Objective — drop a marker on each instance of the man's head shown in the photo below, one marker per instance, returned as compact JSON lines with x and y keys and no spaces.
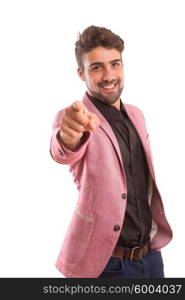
{"x":98,"y":52}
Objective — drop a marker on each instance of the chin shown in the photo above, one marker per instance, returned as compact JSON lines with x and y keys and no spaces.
{"x":111,"y":99}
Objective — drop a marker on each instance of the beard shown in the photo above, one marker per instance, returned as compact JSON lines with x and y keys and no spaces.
{"x":108,"y":98}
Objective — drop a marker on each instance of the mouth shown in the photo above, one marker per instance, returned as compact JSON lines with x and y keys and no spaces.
{"x":109,"y":87}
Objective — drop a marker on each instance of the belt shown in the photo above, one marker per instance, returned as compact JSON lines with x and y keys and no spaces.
{"x":135,"y":253}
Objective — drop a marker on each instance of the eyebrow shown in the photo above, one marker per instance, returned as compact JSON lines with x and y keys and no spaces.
{"x":101,"y":63}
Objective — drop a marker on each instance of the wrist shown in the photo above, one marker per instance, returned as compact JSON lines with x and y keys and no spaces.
{"x":70,"y":144}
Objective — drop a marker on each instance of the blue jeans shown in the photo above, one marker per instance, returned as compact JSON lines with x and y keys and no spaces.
{"x":150,"y":266}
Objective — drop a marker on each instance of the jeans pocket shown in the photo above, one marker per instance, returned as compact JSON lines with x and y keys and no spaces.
{"x":113,"y":265}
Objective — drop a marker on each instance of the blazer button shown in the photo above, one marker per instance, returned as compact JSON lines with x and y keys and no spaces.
{"x":124,"y":196}
{"x":61,"y":153}
{"x":116,"y":228}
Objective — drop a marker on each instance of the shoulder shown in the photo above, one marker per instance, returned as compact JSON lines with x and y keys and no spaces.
{"x":132,"y":109}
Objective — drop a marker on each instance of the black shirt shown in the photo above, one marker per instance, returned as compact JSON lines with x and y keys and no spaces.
{"x":137,"y":222}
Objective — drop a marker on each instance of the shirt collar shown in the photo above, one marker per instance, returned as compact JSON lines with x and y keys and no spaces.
{"x":108,"y":111}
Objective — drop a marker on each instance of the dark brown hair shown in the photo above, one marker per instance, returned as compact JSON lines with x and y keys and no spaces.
{"x":93,"y":37}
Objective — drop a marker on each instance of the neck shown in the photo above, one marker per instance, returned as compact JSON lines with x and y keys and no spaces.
{"x":116,"y":104}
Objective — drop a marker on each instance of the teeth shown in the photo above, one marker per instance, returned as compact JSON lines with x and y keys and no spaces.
{"x":109,"y":86}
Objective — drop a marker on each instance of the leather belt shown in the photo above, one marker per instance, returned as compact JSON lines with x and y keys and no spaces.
{"x":135,"y":253}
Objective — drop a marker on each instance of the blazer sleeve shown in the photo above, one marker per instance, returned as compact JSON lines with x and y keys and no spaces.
{"x":59,"y":152}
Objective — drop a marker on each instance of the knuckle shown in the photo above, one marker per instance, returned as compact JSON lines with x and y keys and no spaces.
{"x":62,"y":125}
{"x":67,"y":110}
{"x":74,"y":134}
{"x":80,"y":128}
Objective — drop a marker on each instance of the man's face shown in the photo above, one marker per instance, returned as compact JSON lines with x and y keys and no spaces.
{"x":103,"y":74}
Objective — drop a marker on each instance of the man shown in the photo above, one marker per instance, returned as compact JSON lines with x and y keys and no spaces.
{"x":119,"y":225}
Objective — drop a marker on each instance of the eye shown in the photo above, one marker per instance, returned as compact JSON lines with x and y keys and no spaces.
{"x":96,"y":68}
{"x":115,"y":64}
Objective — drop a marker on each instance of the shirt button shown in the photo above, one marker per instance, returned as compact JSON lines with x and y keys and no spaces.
{"x":124,"y":196}
{"x":116,"y":228}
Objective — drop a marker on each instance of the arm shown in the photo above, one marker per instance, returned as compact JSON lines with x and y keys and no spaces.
{"x":63,"y":155}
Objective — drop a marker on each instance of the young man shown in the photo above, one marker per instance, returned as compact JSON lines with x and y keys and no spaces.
{"x":119,"y":224}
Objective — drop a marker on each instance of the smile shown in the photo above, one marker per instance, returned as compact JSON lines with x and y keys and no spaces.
{"x":109,"y":87}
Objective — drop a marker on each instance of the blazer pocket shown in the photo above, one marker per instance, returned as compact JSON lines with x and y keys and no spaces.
{"x":78,"y":212}
{"x":78,"y":236}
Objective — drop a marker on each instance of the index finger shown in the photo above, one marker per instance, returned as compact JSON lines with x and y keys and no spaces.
{"x":78,"y":106}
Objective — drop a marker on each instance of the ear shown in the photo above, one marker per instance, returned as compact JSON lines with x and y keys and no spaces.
{"x":81,"y":74}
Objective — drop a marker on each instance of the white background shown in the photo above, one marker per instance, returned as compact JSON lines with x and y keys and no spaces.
{"x":38,"y":77}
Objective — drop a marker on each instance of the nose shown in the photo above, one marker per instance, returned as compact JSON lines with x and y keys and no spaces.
{"x":108,"y":75}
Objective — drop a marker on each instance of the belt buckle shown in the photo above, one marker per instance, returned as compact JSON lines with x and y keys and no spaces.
{"x":132,"y":252}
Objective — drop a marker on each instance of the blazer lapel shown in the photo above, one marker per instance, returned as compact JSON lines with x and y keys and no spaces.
{"x":143,"y":134}
{"x":105,"y":127}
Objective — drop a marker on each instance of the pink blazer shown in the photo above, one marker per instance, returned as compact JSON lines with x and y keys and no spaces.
{"x":99,"y":174}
